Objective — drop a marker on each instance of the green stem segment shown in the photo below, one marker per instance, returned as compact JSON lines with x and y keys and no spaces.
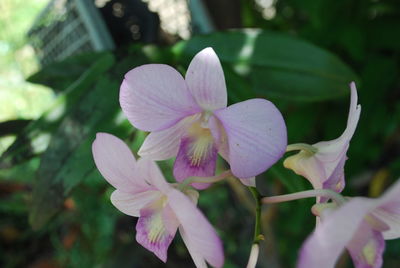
{"x":257,"y":226}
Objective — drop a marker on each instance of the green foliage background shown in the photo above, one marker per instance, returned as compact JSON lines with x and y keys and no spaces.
{"x":55,"y":206}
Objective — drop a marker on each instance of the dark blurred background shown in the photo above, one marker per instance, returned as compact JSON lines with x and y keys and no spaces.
{"x":62,"y":64}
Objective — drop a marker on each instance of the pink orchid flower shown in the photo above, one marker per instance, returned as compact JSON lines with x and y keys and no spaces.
{"x":323,"y":163}
{"x":189,"y":118}
{"x":141,"y":191}
{"x":361,"y":225}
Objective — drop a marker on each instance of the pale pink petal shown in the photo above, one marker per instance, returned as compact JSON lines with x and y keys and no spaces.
{"x":392,"y":220}
{"x":116,"y":163}
{"x":131,"y":204}
{"x":354,"y":114}
{"x":197,"y":257}
{"x":187,"y":164}
{"x":155,"y":96}
{"x":201,"y":237}
{"x":336,"y":181}
{"x":220,"y":138}
{"x":366,"y":247}
{"x":156,"y":229}
{"x":150,"y":172}
{"x":324,"y":246}
{"x":251,"y":182}
{"x":388,"y":211}
{"x":164,"y":144}
{"x":337,"y":146}
{"x":256,"y":135}
{"x":206,"y":81}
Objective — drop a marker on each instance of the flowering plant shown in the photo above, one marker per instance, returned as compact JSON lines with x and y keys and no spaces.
{"x":188,"y":118}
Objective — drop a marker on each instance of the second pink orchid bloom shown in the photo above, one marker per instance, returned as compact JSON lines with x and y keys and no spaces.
{"x":361,"y":225}
{"x":189,"y":118}
{"x":323,"y":163}
{"x":141,"y":191}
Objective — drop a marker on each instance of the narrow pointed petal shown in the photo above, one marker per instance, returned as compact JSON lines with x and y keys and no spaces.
{"x":201,"y":237}
{"x":164,"y":144}
{"x":155,"y":96}
{"x":206,"y":81}
{"x":196,"y":158}
{"x":366,"y":247}
{"x":150,"y":172}
{"x":131,"y":204}
{"x":324,"y":246}
{"x":256,"y":135}
{"x":354,"y":114}
{"x":198,"y":259}
{"x":116,"y":163}
{"x":156,"y":229}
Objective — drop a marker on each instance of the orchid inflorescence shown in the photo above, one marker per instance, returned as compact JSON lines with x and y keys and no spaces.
{"x":188,"y":119}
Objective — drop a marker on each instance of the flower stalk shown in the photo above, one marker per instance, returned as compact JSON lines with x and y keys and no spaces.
{"x":339,"y":199}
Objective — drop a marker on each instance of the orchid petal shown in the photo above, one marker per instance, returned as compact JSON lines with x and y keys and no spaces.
{"x":336,"y":181}
{"x":256,"y":135}
{"x":325,"y":245}
{"x":150,"y":171}
{"x":116,"y":163}
{"x":131,"y":204}
{"x":156,"y":229}
{"x":251,"y":182}
{"x":308,"y":166}
{"x":366,"y":247}
{"x":201,"y":237}
{"x":206,"y":81}
{"x":155,"y":96}
{"x":195,"y":158}
{"x":198,"y":259}
{"x":164,"y":144}
{"x":388,"y":211}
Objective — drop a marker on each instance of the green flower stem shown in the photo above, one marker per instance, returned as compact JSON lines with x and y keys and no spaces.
{"x":257,"y":226}
{"x":339,"y":199}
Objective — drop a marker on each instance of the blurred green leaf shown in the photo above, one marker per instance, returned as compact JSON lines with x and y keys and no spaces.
{"x":275,"y":64}
{"x":68,"y":159}
{"x":35,"y":137}
{"x":58,"y":75}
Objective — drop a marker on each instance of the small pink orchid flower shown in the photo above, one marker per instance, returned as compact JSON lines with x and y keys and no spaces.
{"x":189,"y":118}
{"x":141,"y":191}
{"x":361,"y":225}
{"x":323,"y":163}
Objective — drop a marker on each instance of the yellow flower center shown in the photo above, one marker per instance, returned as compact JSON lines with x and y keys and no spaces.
{"x":201,"y":145}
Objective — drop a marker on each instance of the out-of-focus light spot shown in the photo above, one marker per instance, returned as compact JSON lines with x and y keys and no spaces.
{"x":4,"y":47}
{"x":174,"y":16}
{"x":267,"y":8}
{"x":118,"y":10}
{"x":56,"y":113}
{"x":40,"y":143}
{"x":101,"y":3}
